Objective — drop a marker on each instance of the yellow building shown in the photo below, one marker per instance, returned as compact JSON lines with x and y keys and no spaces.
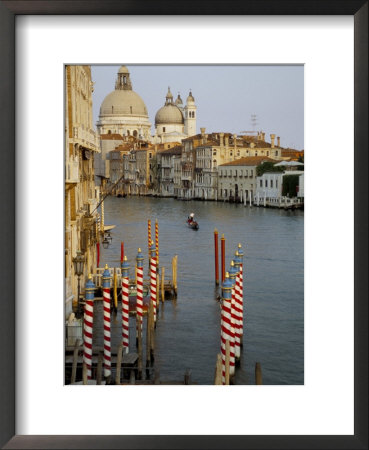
{"x":81,"y":196}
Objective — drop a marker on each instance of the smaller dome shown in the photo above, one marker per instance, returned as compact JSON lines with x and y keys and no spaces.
{"x":178,"y":100}
{"x":169,"y":114}
{"x":123,"y":69}
{"x":190,"y":97}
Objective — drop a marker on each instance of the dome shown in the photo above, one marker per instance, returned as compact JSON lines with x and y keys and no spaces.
{"x":123,"y":69}
{"x":169,"y":114}
{"x":178,"y":100}
{"x":123,"y":102}
{"x":190,"y":98}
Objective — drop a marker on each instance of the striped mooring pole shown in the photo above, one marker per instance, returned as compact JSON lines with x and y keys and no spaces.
{"x":153,"y":279}
{"x":125,"y":305}
{"x":237,"y":308}
{"x":106,"y":278}
{"x":232,"y":276}
{"x":139,"y":299}
{"x":240,"y":254}
{"x":226,"y":333}
{"x":88,"y":325}
{"x":149,"y":240}
{"x":157,"y":241}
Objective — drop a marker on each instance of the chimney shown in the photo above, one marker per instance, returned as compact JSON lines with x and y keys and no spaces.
{"x":202,"y":131}
{"x":278,"y":141}
{"x":221,"y":142}
{"x":235,"y":141}
{"x":263,"y":138}
{"x":226,"y":141}
{"x":272,"y":137}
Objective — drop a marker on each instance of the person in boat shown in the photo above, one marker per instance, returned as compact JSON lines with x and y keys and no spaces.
{"x":190,"y":218}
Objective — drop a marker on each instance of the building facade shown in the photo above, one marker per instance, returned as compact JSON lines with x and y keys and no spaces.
{"x":81,"y":196}
{"x":237,"y":179}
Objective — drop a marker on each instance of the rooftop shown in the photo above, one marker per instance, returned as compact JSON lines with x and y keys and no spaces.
{"x":249,"y":161}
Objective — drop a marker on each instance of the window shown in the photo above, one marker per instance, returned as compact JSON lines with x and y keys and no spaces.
{"x":214,"y":152}
{"x":271,"y":183}
{"x":261,"y":183}
{"x":163,"y":129}
{"x":150,"y":155}
{"x":251,"y":173}
{"x":276,"y":153}
{"x":276,"y":184}
{"x":266,"y":183}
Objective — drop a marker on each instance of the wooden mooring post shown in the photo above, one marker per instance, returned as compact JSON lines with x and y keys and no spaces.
{"x":258,"y":374}
{"x":216,"y":256}
{"x":99,"y":368}
{"x":162,"y":284}
{"x":119,"y":364}
{"x":218,"y":370}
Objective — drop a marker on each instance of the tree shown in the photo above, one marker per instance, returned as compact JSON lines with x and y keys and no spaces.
{"x":267,"y":166}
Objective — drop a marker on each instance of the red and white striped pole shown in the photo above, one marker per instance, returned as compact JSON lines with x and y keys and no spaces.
{"x":139,"y":300}
{"x":149,"y":240}
{"x":153,"y":283}
{"x":234,"y":319}
{"x":226,"y":332}
{"x":106,"y":277}
{"x":237,"y":309}
{"x":88,"y":325}
{"x":240,"y":254}
{"x":157,"y":241}
{"x":125,"y":305}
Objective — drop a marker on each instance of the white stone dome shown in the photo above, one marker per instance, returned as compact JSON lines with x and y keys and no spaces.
{"x":169,"y":114}
{"x":123,"y":102}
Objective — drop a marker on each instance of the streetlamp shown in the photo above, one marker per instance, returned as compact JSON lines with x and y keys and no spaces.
{"x":79,"y":263}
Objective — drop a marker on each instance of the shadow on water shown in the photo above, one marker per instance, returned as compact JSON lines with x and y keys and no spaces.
{"x":188,"y":329}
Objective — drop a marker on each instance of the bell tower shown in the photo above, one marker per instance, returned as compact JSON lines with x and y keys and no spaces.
{"x":190,"y":116}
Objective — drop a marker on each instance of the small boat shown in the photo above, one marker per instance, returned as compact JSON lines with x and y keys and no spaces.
{"x":192,"y":224}
{"x":133,"y":299}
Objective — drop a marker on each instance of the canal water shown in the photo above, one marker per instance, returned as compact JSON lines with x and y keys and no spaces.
{"x":188,"y":329}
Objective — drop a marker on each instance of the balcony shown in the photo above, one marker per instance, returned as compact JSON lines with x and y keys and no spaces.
{"x":72,"y":172}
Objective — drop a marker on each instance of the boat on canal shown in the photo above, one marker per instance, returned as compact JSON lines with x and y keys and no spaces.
{"x":191,"y":222}
{"x":133,"y":299}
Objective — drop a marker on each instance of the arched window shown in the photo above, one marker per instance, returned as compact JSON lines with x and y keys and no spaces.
{"x":135,"y":133}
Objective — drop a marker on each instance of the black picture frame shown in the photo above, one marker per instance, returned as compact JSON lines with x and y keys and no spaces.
{"x":8,"y":287}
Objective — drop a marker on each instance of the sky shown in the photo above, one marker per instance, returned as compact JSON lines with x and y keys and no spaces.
{"x":226,"y":96}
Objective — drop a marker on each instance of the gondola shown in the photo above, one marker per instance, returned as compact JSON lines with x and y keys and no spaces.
{"x":192,"y":224}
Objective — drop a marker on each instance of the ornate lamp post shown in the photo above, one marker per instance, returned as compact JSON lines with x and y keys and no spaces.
{"x":79,"y":264}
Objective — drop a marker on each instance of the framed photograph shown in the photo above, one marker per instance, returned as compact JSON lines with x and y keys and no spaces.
{"x":320,"y":402}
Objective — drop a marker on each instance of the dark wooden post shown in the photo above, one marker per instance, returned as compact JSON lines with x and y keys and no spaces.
{"x":258,"y":375}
